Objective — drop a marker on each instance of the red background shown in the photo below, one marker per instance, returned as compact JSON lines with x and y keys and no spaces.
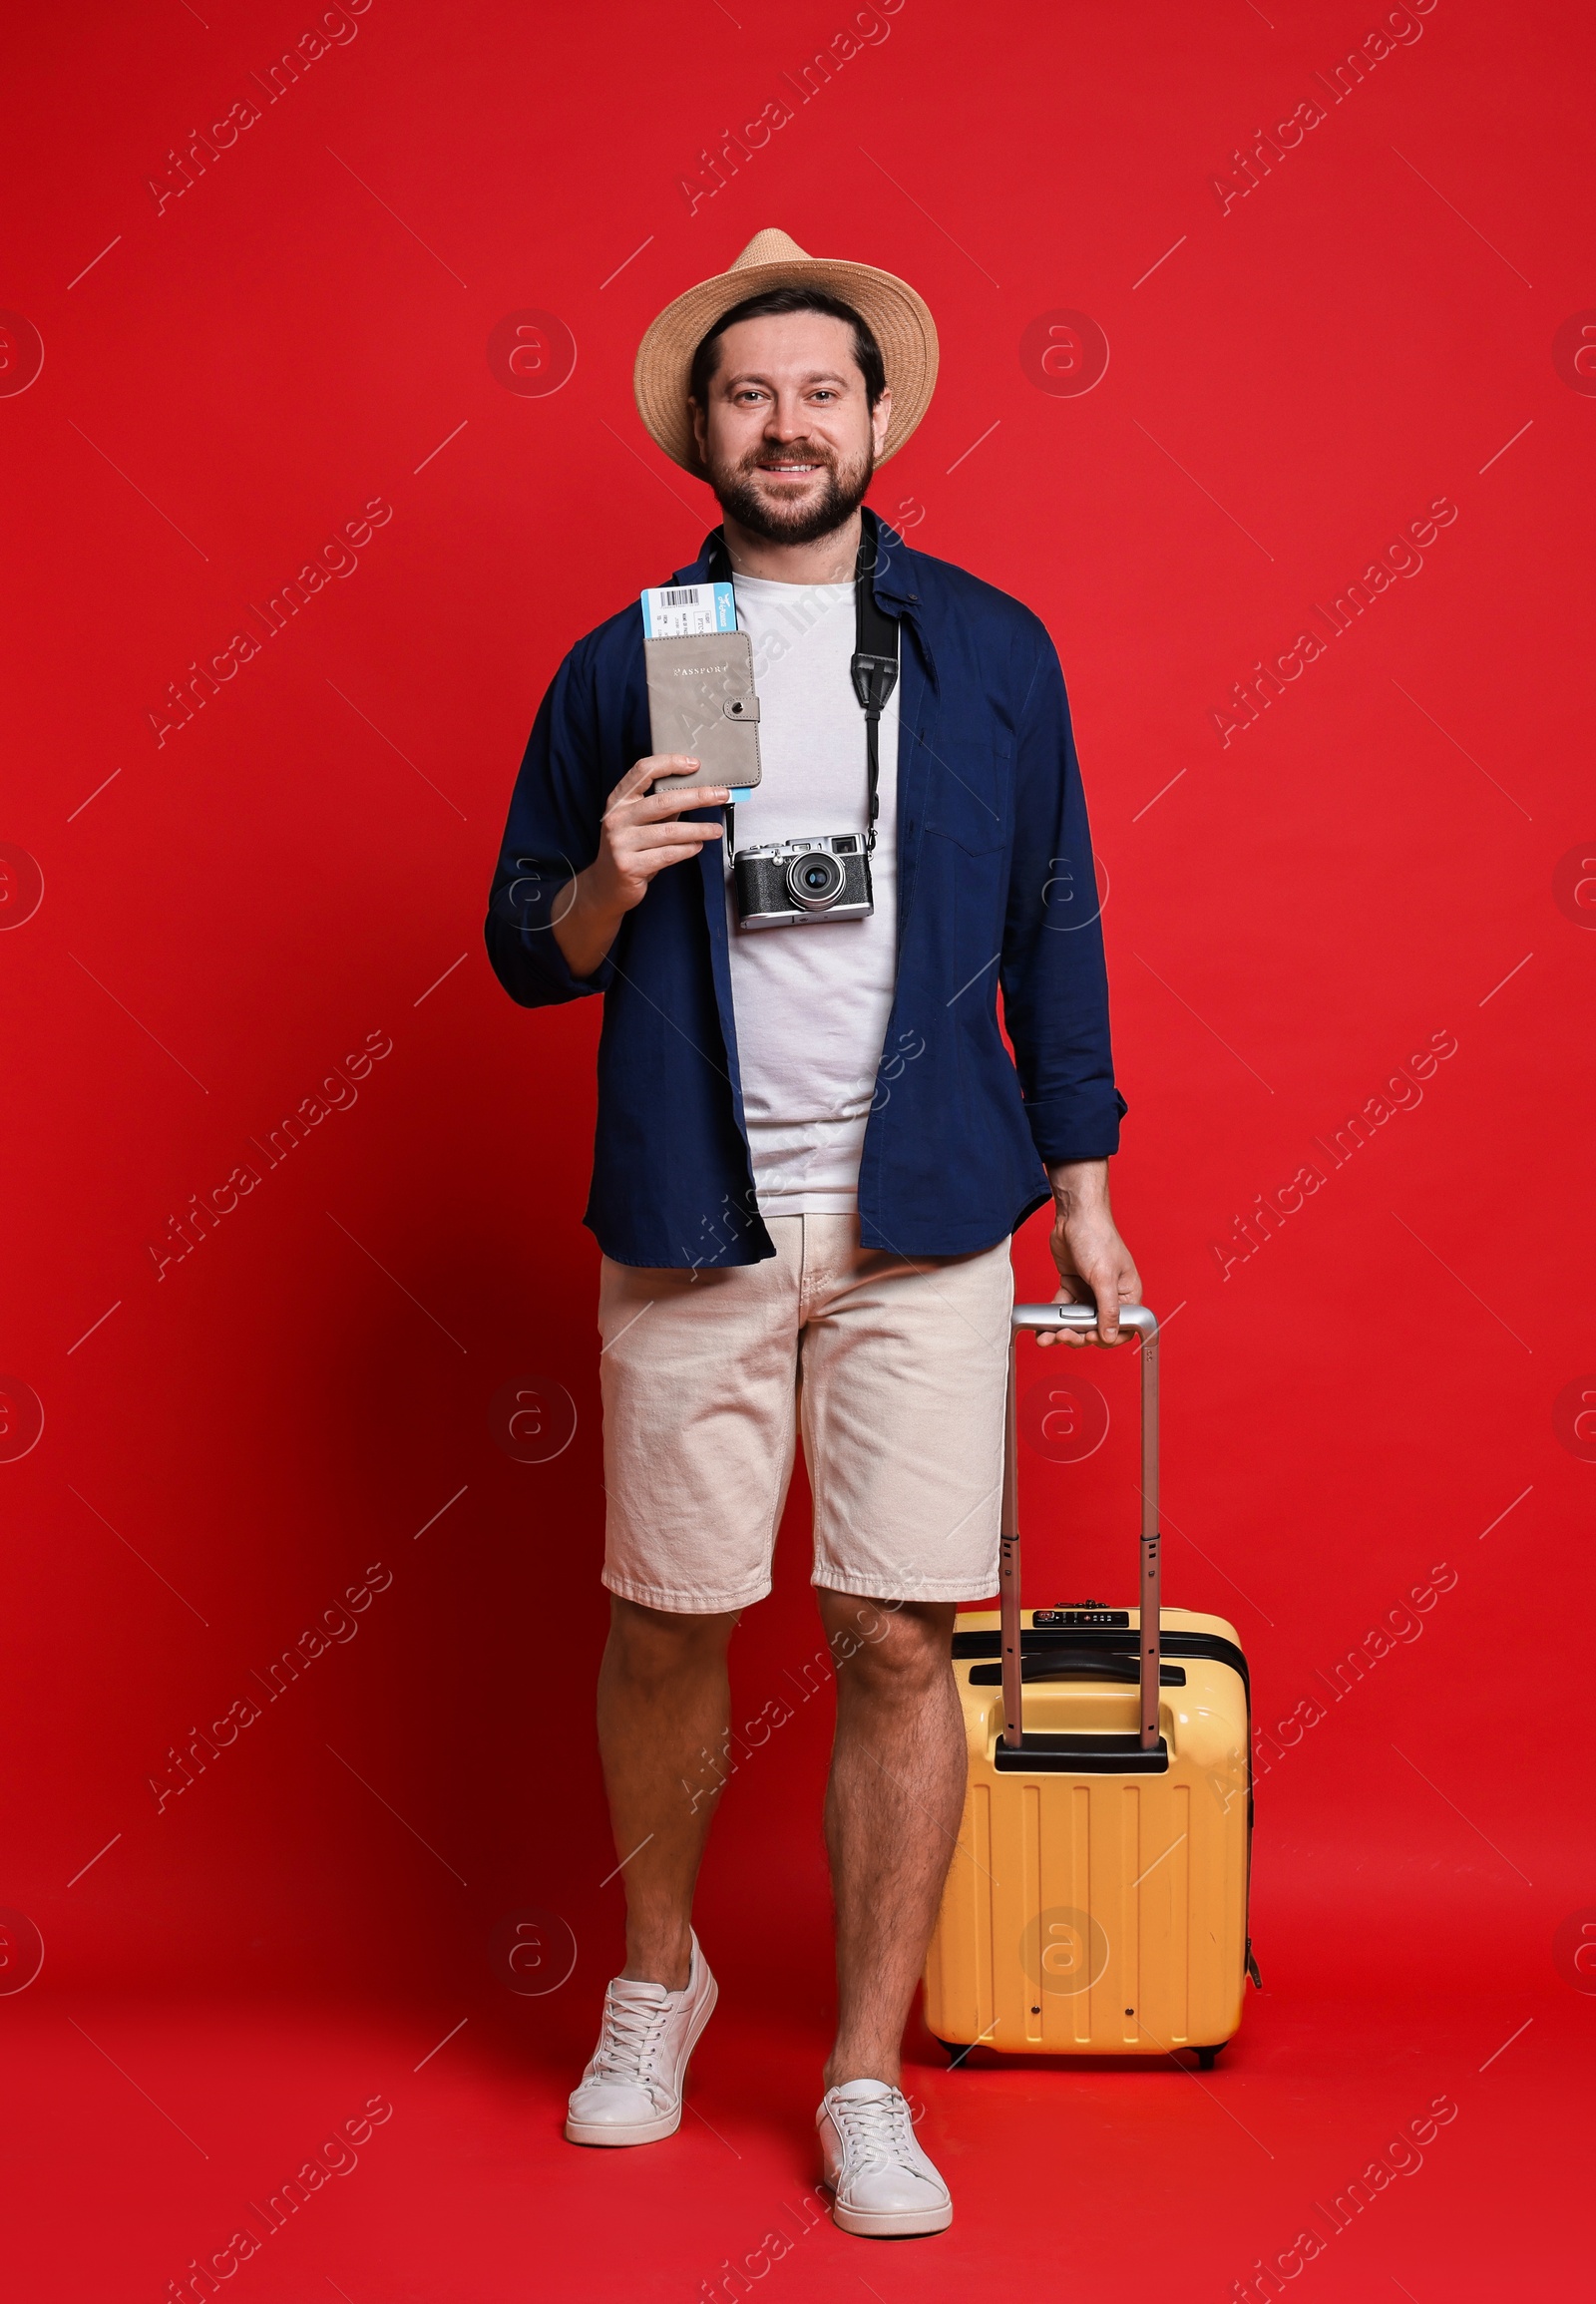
{"x":231,"y":1447}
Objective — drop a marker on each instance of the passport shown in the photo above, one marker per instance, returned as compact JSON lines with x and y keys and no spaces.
{"x":701,"y":697}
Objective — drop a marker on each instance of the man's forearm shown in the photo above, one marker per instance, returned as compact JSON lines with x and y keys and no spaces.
{"x":1077,"y":1184}
{"x":584,"y":927}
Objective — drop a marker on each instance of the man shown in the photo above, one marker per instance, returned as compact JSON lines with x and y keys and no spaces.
{"x":812,"y":1150}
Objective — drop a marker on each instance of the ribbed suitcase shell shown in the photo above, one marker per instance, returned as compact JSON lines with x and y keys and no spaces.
{"x":1096,"y":1914}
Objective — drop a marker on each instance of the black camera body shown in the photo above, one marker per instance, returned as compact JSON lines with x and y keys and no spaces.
{"x":792,"y":882}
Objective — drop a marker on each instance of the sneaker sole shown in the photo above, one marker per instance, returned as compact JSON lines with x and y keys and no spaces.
{"x":623,"y":2132}
{"x":652,"y":2131}
{"x":894,"y":2224}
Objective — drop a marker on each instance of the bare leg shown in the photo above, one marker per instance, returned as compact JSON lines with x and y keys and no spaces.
{"x":663,"y":1706}
{"x":893,"y":1808}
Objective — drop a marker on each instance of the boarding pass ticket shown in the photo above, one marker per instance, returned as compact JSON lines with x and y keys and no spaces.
{"x":682,"y":612}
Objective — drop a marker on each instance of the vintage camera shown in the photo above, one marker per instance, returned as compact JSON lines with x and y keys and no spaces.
{"x":794,"y":881}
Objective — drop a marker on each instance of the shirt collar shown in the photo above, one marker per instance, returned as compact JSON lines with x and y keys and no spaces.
{"x":894,"y":582}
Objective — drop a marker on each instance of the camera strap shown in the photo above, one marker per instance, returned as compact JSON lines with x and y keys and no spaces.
{"x":874,"y":666}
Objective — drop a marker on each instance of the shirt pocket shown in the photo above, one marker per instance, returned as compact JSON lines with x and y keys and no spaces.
{"x":967,"y":794}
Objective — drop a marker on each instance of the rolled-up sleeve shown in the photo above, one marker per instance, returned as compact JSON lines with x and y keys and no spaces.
{"x":551,"y":834}
{"x":1053,"y":976}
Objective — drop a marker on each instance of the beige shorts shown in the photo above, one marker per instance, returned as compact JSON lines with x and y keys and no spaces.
{"x":893,"y":1370}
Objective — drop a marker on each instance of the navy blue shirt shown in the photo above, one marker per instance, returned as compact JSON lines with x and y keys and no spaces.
{"x":995,"y":890}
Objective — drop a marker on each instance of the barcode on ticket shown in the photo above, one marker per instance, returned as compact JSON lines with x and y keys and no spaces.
{"x":682,"y":612}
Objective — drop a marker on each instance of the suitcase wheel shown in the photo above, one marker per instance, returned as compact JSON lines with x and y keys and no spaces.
{"x":1206,"y":2055}
{"x":956,"y":2052}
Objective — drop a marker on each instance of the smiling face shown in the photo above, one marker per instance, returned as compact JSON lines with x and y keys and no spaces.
{"x":787,"y":436}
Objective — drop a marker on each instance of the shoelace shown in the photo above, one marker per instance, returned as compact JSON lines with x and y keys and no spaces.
{"x":879,"y":2130}
{"x":629,"y":2035}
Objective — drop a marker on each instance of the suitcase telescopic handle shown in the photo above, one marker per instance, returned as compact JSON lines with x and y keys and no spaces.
{"x":1049,"y":1317}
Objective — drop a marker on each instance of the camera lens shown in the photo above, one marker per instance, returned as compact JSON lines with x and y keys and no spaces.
{"x":814,"y":879}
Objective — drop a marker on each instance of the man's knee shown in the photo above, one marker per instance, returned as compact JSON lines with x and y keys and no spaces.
{"x":657,"y":1644}
{"x":887,"y":1644}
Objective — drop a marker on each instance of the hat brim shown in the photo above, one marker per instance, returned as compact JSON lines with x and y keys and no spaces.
{"x":900,"y":320}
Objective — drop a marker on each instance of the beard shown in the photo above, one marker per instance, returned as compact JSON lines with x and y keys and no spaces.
{"x":843,"y":491}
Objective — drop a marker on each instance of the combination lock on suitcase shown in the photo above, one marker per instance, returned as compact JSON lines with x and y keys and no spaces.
{"x":1097,"y":1901}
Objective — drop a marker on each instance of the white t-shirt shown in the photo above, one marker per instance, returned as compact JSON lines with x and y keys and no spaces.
{"x":812,"y":1000}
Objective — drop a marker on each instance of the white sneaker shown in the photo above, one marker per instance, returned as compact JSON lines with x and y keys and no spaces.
{"x":630,"y":2092}
{"x":883,"y":2184}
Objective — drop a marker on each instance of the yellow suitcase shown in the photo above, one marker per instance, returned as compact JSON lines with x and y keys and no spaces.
{"x":1097,"y":1901}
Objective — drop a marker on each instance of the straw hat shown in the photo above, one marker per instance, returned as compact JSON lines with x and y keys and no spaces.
{"x":899,"y":320}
